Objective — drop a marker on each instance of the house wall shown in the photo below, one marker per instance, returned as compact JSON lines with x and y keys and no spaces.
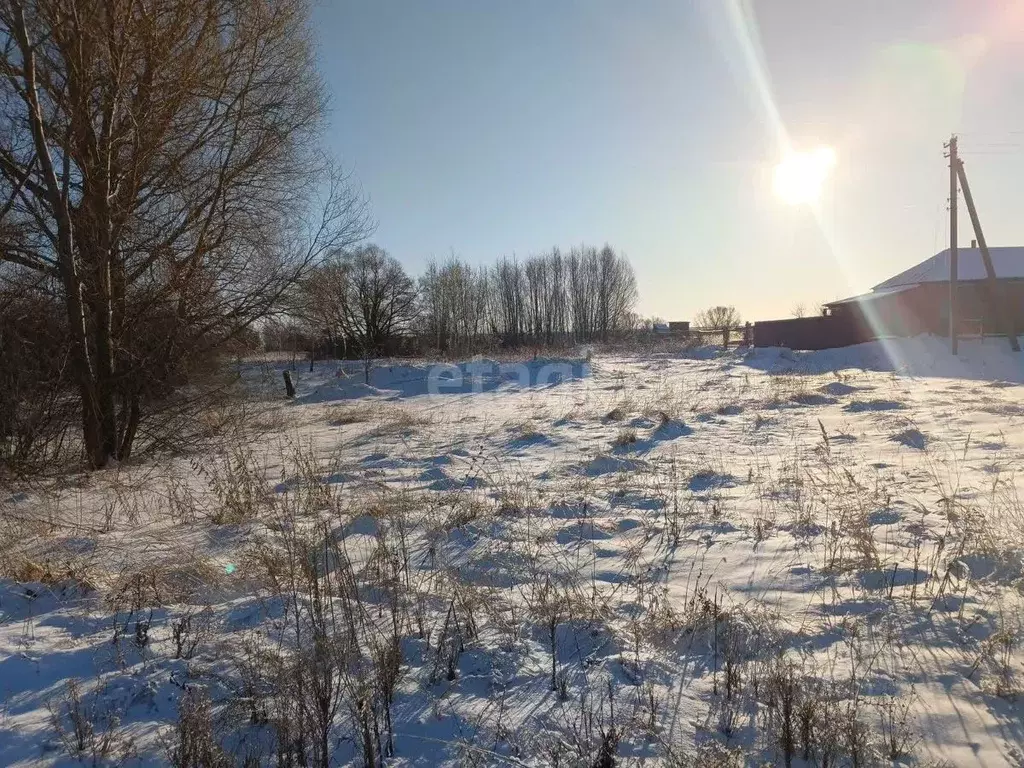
{"x":907,"y":313}
{"x":925,"y":309}
{"x":922,"y":309}
{"x":977,"y":310}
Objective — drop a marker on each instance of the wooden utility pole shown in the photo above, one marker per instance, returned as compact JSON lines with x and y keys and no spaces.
{"x":954,"y":162}
{"x":996,"y":296}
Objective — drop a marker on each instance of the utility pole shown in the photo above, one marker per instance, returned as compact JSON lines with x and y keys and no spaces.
{"x":996,"y":296}
{"x":954,"y":162}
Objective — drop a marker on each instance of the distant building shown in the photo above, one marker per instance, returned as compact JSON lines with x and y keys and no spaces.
{"x":673,"y":327}
{"x":914,"y":301}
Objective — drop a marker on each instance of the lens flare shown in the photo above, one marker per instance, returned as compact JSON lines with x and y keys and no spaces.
{"x":798,"y":179}
{"x":746,"y":54}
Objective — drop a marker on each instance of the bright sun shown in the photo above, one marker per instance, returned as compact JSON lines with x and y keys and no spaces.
{"x":800,"y":175}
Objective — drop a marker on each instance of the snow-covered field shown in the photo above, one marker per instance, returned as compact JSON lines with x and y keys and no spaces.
{"x":702,"y":559}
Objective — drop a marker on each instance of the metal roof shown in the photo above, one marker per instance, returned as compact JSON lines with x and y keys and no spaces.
{"x":876,"y":294}
{"x":1008,"y":262}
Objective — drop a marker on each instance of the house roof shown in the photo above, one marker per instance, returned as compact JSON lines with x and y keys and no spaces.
{"x":876,"y":294}
{"x":1008,"y":261}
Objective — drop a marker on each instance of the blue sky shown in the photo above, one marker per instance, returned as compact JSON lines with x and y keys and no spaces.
{"x":504,"y":128}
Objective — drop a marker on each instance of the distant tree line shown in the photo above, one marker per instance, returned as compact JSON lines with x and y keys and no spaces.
{"x":363,"y":302}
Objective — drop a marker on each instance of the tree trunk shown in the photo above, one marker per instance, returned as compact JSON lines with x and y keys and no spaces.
{"x":107,"y":410}
{"x":91,"y":433}
{"x":92,"y":430}
{"x":57,"y":197}
{"x":131,"y":428}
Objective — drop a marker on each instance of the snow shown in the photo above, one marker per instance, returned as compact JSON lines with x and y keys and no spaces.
{"x":924,"y":356}
{"x":1007,"y":261}
{"x":855,"y":512}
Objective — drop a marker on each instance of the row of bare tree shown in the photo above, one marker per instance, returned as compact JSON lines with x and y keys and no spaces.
{"x":359,"y":302}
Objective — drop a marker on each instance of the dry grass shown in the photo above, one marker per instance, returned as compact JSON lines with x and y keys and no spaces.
{"x":154,"y":584}
{"x":340,"y":415}
{"x":618,"y":413}
{"x":393,"y":420}
{"x":435,"y":586}
{"x":625,"y":439}
{"x":50,"y":573}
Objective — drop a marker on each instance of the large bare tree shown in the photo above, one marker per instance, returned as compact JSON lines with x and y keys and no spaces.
{"x":380,"y":298}
{"x":158,"y":167}
{"x":319,"y":302}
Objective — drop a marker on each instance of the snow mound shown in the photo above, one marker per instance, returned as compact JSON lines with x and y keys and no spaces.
{"x":912,"y":438}
{"x":838,"y":389}
{"x":439,"y":480}
{"x":583,"y":529}
{"x":730,"y":410}
{"x":812,"y":398}
{"x":670,"y":430}
{"x":345,"y":389}
{"x":987,"y":359}
{"x":709,"y":480}
{"x":641,"y":422}
{"x":604,"y":465}
{"x":529,"y":440}
{"x":404,"y":380}
{"x":860,"y":406}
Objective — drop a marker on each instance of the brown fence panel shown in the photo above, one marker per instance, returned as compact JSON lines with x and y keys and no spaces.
{"x":820,"y":332}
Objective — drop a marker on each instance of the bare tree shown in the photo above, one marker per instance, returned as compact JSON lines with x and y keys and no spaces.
{"x":548,"y":298}
{"x":508,"y":307}
{"x":380,"y":298}
{"x":34,"y":409}
{"x":536,"y":285}
{"x":582,"y":292}
{"x":319,"y":301}
{"x":435,"y":311}
{"x":799,"y":310}
{"x":601,"y":289}
{"x":453,"y":304}
{"x":157,"y":166}
{"x":556,"y":310}
{"x":616,"y":292}
{"x":721,"y":319}
{"x":585,"y":295}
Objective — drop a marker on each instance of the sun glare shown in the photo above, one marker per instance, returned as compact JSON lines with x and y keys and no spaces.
{"x":799,"y":177}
